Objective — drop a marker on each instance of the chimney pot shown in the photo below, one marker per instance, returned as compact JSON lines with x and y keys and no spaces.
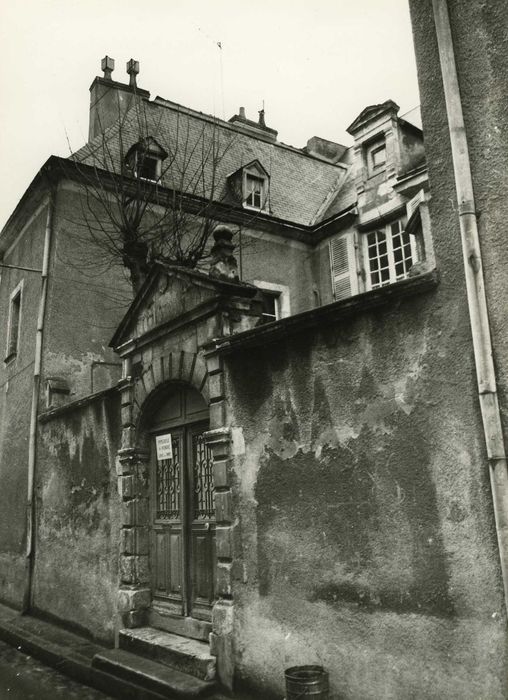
{"x":132,"y":70}
{"x":242,"y":113}
{"x":108,"y":66}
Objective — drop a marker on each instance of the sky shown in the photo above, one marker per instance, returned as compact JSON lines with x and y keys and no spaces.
{"x":314,"y":65}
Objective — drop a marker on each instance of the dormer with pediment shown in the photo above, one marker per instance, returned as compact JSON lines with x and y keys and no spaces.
{"x":380,"y":155}
{"x":376,"y":143}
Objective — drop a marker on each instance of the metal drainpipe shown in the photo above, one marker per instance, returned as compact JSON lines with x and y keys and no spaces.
{"x":475,"y":286}
{"x":32,"y":441}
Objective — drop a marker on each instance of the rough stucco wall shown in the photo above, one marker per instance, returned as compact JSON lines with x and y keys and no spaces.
{"x":367,"y":536}
{"x":78,"y":517}
{"x":15,"y":399}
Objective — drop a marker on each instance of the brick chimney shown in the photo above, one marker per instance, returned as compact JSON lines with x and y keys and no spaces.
{"x":110,"y":100}
{"x":259,"y":128}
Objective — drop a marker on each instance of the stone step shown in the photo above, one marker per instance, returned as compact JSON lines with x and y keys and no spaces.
{"x":162,"y":618}
{"x":184,"y":654}
{"x":155,"y":677}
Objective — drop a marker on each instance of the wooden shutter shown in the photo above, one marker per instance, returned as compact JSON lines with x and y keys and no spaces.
{"x":414,"y":203}
{"x":343,"y":267}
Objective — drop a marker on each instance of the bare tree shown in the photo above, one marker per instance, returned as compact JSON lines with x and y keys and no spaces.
{"x":150,"y":187}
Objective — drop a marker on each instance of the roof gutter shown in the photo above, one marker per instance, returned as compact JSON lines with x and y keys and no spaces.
{"x":477,"y":300}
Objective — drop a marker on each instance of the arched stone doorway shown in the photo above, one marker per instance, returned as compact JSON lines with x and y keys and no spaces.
{"x":182,"y":553}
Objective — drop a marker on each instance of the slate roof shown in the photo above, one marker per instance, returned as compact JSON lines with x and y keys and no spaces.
{"x":299,"y":183}
{"x":345,"y":195}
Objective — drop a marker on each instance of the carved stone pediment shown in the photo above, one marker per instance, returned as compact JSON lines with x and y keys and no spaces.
{"x":174,"y":296}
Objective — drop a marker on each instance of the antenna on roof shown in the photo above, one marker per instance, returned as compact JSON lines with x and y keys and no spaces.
{"x":219,"y":44}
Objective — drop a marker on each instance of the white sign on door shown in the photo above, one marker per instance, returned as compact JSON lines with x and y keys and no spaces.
{"x":164,"y":446}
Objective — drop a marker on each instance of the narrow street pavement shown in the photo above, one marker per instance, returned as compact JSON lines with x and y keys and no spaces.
{"x":25,"y":678}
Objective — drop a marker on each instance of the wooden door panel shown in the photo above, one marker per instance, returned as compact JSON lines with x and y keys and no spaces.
{"x":183,"y":558}
{"x":203,"y":565}
{"x":167,"y":570}
{"x":160,"y":565}
{"x":175,"y":564}
{"x":203,"y":522}
{"x":167,"y":531}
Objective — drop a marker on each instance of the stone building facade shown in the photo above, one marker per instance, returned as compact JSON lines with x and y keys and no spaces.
{"x":290,"y":465}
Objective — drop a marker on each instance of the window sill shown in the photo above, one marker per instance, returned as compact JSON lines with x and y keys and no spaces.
{"x":251,"y":208}
{"x":148,"y":179}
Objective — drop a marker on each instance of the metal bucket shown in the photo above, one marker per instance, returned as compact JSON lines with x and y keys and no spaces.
{"x":304,"y":682}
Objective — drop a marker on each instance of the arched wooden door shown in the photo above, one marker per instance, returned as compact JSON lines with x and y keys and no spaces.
{"x":182,"y":555}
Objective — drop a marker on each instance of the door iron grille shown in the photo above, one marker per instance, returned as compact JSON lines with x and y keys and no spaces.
{"x":168,"y":485}
{"x":204,"y":506}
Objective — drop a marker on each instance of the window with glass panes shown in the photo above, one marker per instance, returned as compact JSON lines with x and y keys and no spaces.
{"x":148,"y":167}
{"x":390,"y":255}
{"x":14,"y":322}
{"x":254,"y":196}
{"x":270,"y":301}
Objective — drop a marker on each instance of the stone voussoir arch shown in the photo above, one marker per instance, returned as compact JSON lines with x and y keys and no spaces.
{"x":174,"y":366}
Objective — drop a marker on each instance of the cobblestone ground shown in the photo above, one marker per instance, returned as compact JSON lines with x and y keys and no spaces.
{"x":25,"y":678}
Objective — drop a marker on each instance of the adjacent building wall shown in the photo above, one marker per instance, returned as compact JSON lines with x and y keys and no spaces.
{"x":480,"y":43}
{"x":16,"y":381}
{"x":85,"y":303}
{"x":366,"y":539}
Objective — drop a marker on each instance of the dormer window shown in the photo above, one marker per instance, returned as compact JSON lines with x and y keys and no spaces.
{"x":145,"y":159}
{"x":250,"y":186}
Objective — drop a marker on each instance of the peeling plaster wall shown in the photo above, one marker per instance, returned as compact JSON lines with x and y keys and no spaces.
{"x":366,"y":539}
{"x":78,"y":516}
